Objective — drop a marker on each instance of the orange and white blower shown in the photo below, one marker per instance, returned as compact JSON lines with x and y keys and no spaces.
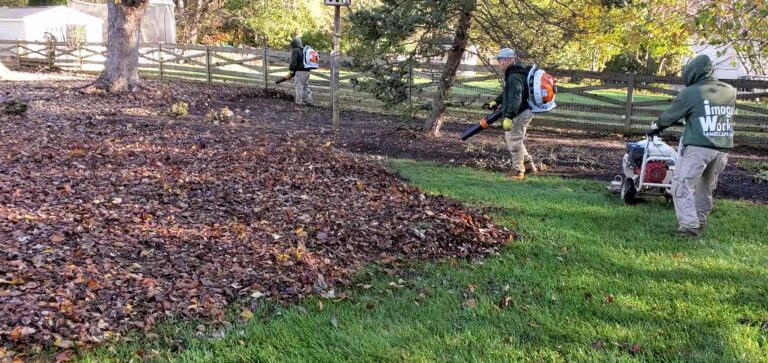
{"x":542,"y":89}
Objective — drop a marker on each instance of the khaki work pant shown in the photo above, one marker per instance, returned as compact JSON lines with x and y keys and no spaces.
{"x":693,"y":183}
{"x":301,"y":85}
{"x":515,"y":139}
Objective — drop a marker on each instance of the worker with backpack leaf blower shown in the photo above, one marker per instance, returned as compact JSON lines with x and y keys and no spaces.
{"x":303,"y":60}
{"x":525,"y":90}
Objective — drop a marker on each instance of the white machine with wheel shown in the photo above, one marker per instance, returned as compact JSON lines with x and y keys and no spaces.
{"x":648,"y":166}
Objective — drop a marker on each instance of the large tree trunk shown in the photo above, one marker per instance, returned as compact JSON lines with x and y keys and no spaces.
{"x":4,"y":71}
{"x":435,"y":121}
{"x":121,"y":72}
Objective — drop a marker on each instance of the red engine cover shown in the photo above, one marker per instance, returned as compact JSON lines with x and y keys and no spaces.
{"x":655,"y":172}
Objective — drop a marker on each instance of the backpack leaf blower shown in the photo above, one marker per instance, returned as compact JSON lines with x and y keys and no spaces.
{"x":283,"y":79}
{"x":484,"y":123}
{"x":541,"y":88}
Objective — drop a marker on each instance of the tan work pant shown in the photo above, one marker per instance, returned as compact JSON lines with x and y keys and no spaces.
{"x":515,"y":141}
{"x":694,"y":182}
{"x":301,"y":85}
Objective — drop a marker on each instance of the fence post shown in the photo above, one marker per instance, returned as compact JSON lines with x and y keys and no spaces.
{"x":265,"y":66}
{"x":628,"y":110}
{"x":208,"y":63}
{"x":160,"y":52}
{"x":80,"y":55}
{"x":18,"y":53}
{"x":51,"y":55}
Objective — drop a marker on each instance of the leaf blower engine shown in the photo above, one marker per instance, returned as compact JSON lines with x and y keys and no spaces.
{"x":648,"y":167}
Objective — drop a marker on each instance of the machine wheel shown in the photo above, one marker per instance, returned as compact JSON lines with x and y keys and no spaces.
{"x":628,"y":191}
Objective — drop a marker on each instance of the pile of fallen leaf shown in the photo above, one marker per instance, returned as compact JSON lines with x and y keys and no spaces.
{"x":110,"y":224}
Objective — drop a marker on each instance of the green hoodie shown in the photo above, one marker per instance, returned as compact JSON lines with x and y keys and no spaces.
{"x":297,"y":56}
{"x":707,"y":105}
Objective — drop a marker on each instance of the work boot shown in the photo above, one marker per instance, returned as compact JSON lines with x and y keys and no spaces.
{"x":530,"y":167}
{"x":519,"y":176}
{"x":688,"y":232}
{"x":702,"y":223}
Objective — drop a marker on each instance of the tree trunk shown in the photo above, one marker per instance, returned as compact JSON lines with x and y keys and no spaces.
{"x":435,"y":121}
{"x":121,"y":71}
{"x":190,"y":16}
{"x":4,"y":71}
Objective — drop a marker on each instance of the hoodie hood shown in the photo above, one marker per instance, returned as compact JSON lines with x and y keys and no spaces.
{"x":296,"y":43}
{"x":698,"y":70}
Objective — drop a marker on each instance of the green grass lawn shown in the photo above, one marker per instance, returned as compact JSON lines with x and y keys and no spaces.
{"x":590,"y":280}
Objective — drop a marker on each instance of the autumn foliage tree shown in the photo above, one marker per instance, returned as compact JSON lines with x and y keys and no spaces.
{"x":740,"y":24}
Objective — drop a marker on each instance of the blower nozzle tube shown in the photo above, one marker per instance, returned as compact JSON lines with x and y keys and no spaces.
{"x":484,"y":123}
{"x":283,"y":79}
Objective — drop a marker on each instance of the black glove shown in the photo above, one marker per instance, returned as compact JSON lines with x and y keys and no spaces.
{"x":653,"y":131}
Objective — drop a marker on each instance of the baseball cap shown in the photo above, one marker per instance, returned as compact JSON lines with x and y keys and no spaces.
{"x":506,"y":53}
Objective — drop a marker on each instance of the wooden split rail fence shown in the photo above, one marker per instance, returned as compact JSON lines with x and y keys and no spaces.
{"x":591,"y":101}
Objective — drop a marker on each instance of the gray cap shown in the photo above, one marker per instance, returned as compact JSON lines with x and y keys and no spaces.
{"x":506,"y":53}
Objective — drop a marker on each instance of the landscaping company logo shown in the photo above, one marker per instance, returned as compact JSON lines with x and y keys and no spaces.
{"x":718,"y":120}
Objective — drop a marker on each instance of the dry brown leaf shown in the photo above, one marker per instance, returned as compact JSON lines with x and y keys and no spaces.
{"x":93,"y":285}
{"x":598,"y":344}
{"x":63,"y":356}
{"x":161,"y":229}
{"x":246,"y":315}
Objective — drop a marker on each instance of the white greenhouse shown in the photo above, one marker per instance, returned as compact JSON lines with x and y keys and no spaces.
{"x":49,"y":23}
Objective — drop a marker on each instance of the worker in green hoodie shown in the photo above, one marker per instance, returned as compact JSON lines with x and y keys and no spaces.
{"x":299,"y":73}
{"x":517,"y":113}
{"x":707,"y":106}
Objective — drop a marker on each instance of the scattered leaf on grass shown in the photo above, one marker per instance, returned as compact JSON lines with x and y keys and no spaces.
{"x":598,"y":344}
{"x":608,"y":299}
{"x":505,"y":302}
{"x":246,"y":315}
{"x":63,"y":356}
{"x":334,"y":321}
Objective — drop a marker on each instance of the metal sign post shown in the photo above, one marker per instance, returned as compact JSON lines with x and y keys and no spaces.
{"x":335,"y":57}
